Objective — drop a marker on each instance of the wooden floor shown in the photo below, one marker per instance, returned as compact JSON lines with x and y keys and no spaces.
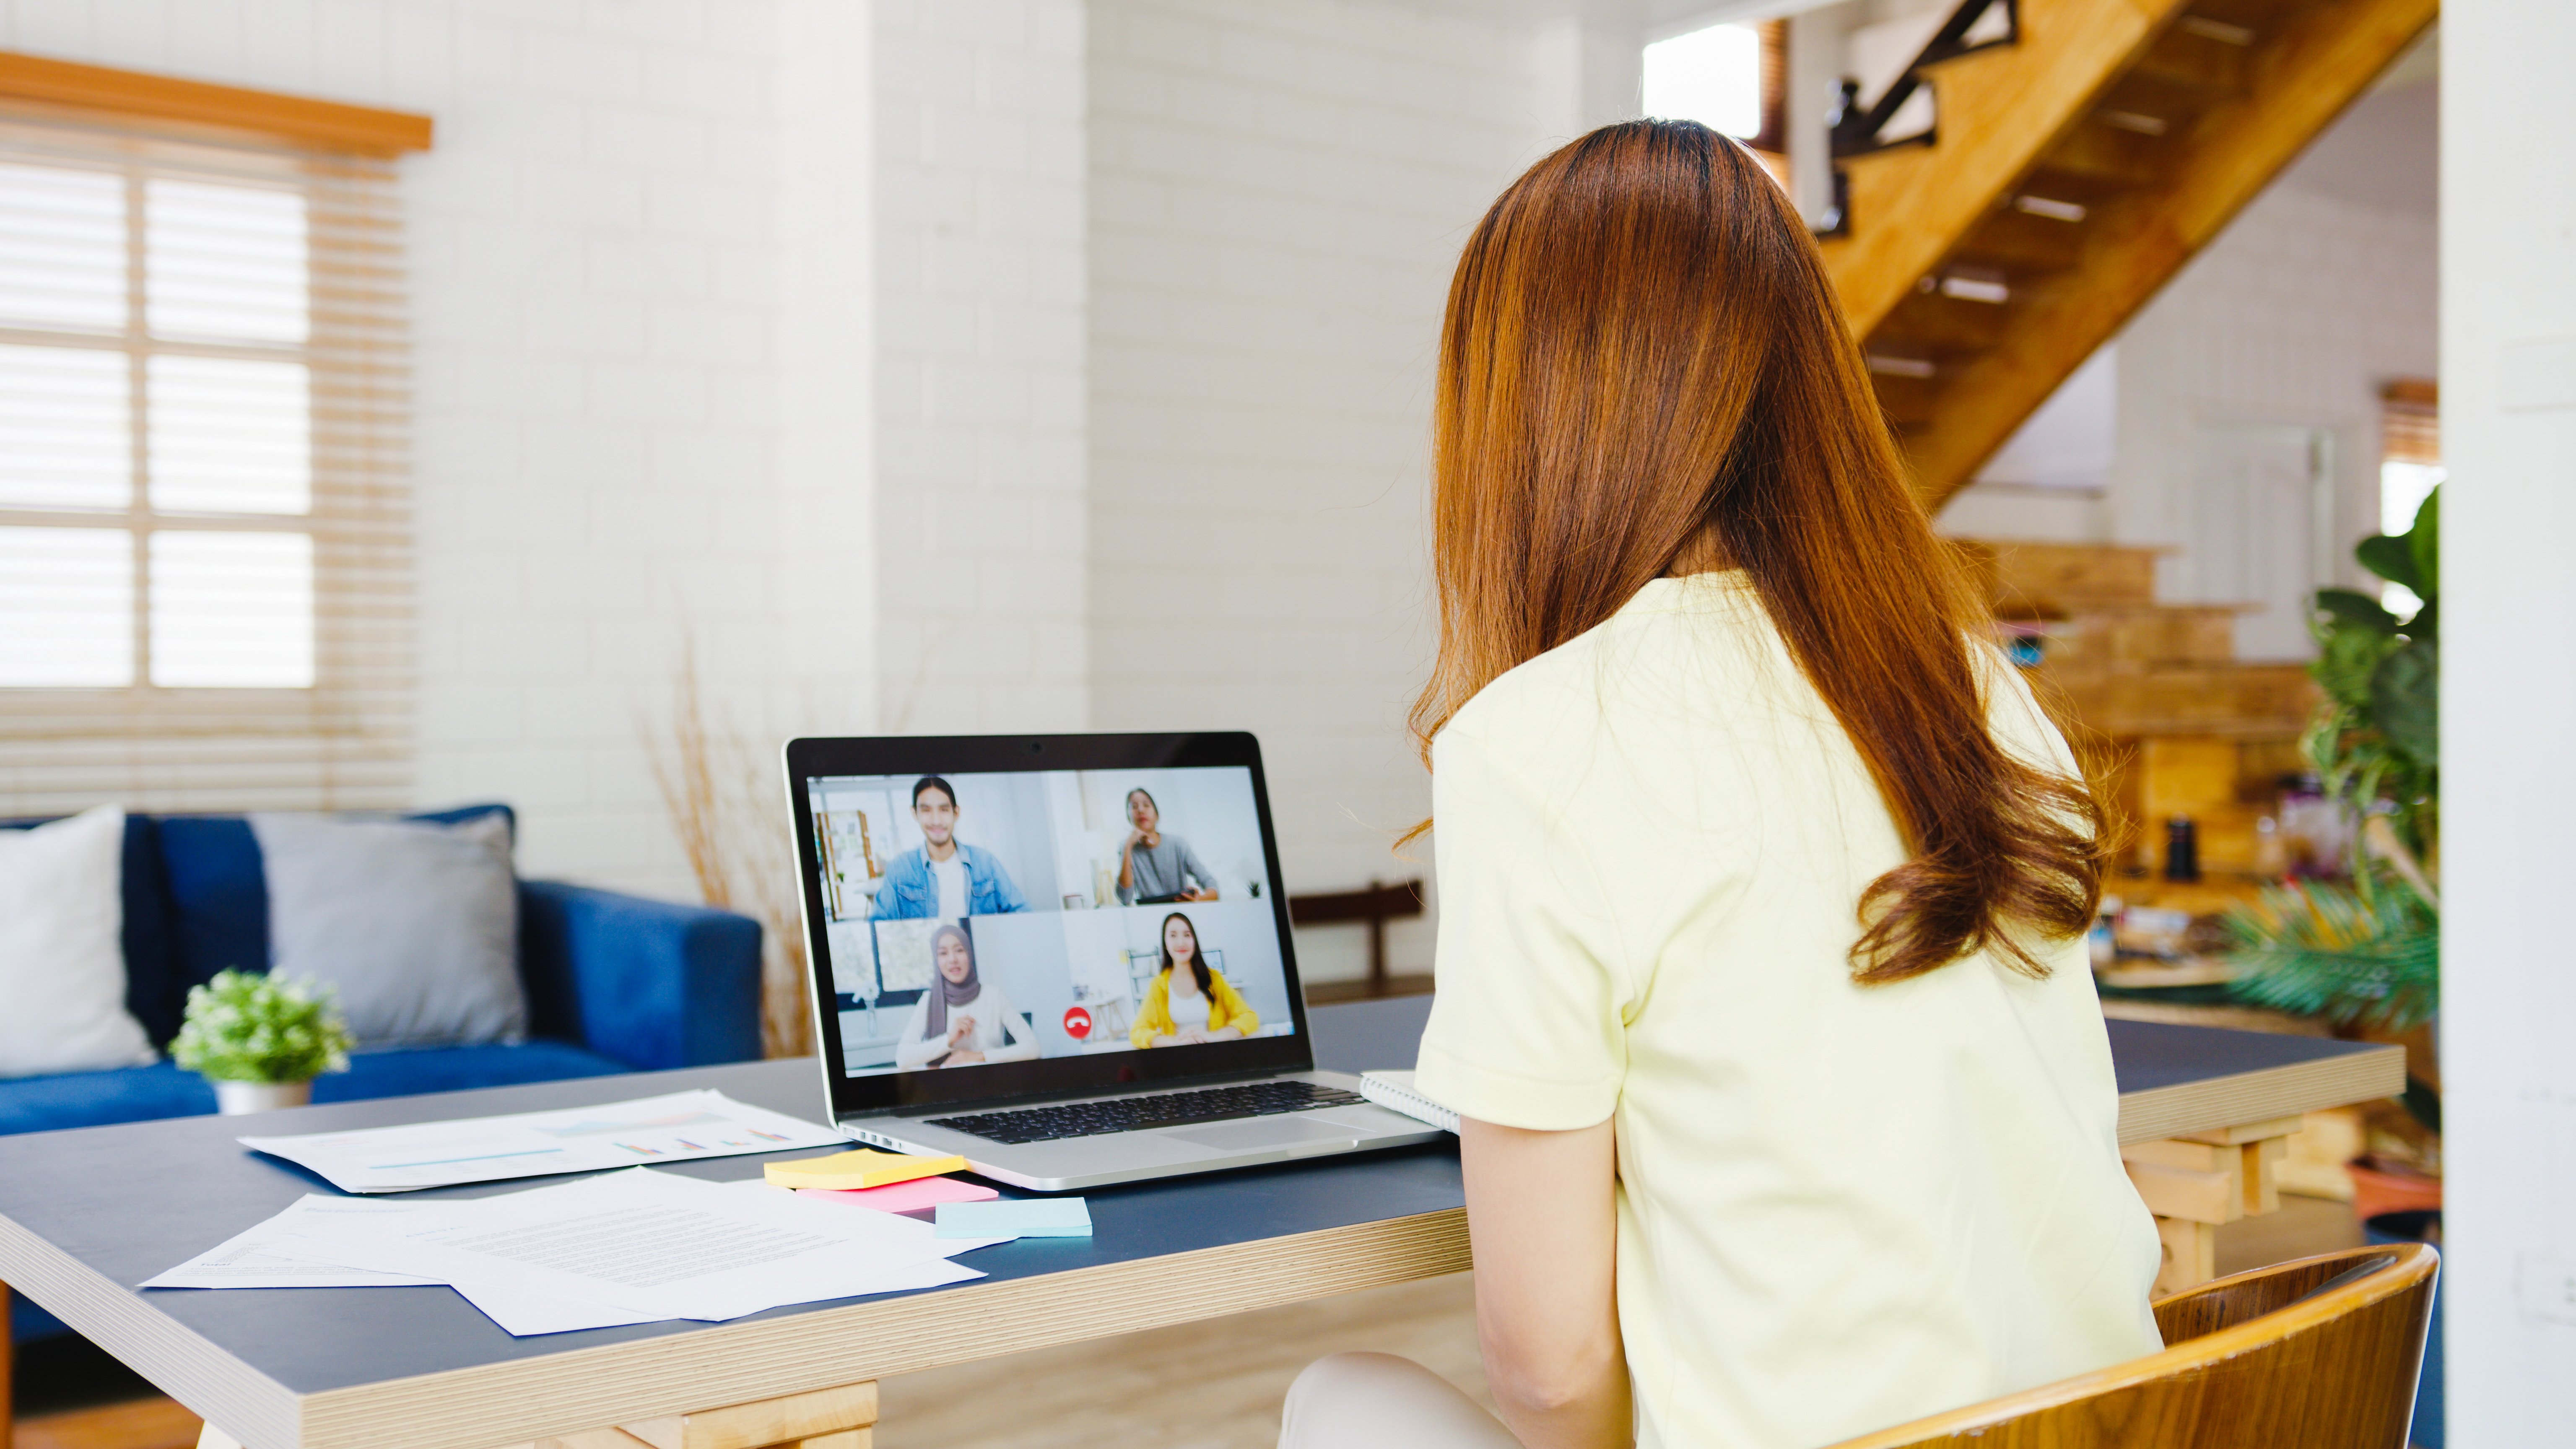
{"x":1210,"y":1386}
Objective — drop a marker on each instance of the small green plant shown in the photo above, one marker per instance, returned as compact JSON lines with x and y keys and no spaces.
{"x":246,"y":1028}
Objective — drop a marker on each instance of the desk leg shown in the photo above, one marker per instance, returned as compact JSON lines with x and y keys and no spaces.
{"x":2195,"y":1184}
{"x":8,"y":1356}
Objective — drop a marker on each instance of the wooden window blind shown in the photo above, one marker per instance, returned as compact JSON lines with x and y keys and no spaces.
{"x":205,"y":548}
{"x":2410,"y":422}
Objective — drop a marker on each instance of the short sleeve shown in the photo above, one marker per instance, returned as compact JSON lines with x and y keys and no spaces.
{"x":1528,"y":1025}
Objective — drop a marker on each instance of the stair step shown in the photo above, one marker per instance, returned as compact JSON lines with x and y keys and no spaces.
{"x":2022,"y":243}
{"x":1907,"y":401}
{"x":2135,"y":641}
{"x":2059,"y":580}
{"x":2235,"y":700}
{"x":1932,"y":324}
{"x":2192,"y":61}
{"x":2099,"y":160}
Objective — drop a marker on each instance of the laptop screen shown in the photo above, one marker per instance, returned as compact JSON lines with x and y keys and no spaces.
{"x":986,"y":933}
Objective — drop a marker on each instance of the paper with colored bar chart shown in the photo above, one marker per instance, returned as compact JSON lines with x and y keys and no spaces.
{"x":655,"y":1130}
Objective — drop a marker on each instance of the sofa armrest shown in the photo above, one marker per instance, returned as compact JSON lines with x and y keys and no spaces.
{"x":655,"y":984}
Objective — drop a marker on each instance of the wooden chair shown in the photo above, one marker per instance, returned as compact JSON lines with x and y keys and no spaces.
{"x":2320,"y":1353}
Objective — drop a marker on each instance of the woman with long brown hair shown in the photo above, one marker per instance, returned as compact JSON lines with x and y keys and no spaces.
{"x":1788,"y":1107}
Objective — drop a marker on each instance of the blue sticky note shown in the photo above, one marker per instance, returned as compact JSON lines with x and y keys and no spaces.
{"x":1022,"y":1217}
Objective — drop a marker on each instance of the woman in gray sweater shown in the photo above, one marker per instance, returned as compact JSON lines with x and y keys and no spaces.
{"x":1158,"y":867}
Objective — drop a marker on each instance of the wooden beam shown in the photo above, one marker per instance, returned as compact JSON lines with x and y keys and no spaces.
{"x":2302,"y":78}
{"x":2000,"y":110}
{"x":323,"y":125}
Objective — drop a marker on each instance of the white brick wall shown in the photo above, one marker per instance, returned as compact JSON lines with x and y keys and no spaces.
{"x":1278,"y":193}
{"x":981,"y":461}
{"x":596,"y":287}
{"x":977,"y":364}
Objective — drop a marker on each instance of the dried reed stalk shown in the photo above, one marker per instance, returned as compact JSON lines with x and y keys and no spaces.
{"x":724,"y":806}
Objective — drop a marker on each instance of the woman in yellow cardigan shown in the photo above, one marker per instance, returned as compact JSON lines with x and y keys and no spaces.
{"x":1189,"y":1005}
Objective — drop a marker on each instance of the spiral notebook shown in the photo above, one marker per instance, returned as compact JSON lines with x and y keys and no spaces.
{"x":1394,"y":1091}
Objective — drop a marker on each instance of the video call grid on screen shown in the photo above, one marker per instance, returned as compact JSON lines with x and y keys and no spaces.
{"x":1055,"y":940}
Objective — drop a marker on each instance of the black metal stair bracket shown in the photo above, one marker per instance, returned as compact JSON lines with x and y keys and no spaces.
{"x":1857,"y":132}
{"x":1853,"y":131}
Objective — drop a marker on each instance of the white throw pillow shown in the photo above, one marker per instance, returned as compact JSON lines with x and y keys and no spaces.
{"x":62,"y":948}
{"x":414,"y":925}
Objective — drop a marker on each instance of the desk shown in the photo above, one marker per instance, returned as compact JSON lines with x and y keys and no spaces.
{"x":83,"y":1213}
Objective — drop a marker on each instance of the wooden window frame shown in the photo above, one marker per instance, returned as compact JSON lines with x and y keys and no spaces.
{"x":100,"y":91}
{"x":318,"y":148}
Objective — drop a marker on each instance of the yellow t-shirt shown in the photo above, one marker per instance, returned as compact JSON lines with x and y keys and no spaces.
{"x":1840,"y":1207}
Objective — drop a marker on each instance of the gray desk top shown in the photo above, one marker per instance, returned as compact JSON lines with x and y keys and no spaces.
{"x":84,"y":1213}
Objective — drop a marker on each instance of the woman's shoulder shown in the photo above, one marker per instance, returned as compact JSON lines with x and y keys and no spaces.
{"x":1658,"y":656}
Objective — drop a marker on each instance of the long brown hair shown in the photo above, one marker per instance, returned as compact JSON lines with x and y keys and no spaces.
{"x":1643,"y":365}
{"x":1199,"y":968}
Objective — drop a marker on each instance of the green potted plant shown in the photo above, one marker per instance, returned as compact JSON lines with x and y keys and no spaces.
{"x":2365,"y":953}
{"x":261,"y":1040}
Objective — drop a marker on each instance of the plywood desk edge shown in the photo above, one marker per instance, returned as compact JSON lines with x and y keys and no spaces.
{"x":2211,"y":1103}
{"x":520,"y":1400}
{"x":182,"y":1363}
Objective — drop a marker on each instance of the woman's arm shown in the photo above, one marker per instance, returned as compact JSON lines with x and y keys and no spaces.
{"x":1233,"y":1013}
{"x":1543,"y":1227}
{"x":1012,"y":1039}
{"x":911,"y":1053}
{"x":1153,"y":1018}
{"x":1193,"y":868}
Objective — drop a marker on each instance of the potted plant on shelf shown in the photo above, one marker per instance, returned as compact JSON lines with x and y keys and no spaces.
{"x":261,"y":1040}
{"x":2365,"y":953}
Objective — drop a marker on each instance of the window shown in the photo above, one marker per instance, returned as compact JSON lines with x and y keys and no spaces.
{"x":203,"y":530}
{"x":2410,"y":466}
{"x":1730,"y":78}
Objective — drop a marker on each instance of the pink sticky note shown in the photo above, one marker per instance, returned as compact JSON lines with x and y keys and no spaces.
{"x":905,"y":1197}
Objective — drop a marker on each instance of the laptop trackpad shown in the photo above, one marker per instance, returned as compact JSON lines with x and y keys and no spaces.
{"x":1264,"y":1132}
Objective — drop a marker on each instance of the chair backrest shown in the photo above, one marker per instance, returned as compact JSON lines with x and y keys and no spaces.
{"x":2321,"y":1353}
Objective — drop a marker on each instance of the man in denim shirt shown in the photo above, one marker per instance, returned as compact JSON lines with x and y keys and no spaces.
{"x":945,"y":877}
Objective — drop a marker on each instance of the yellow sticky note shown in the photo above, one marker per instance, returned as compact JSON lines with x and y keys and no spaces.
{"x":866,"y":1167}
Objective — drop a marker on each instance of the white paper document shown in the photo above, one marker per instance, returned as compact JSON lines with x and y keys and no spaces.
{"x":669,"y":1247}
{"x":679,"y":1127}
{"x":280,"y":1254}
{"x":628,"y":1247}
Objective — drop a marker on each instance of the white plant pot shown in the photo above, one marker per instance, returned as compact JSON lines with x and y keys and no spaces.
{"x":234,"y":1098}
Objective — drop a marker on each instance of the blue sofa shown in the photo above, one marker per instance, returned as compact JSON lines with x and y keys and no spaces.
{"x":615,"y":983}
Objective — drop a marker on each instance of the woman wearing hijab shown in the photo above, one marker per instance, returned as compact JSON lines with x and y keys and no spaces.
{"x":961,"y":1020}
{"x":1189,"y":1002}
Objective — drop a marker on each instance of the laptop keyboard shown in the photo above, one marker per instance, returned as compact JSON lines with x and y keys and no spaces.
{"x":1140,"y":1114}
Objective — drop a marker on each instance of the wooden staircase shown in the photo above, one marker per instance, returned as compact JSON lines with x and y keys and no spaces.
{"x":2070,"y":174}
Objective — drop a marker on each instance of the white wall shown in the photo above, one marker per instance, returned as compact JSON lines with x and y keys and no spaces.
{"x":1278,"y":194}
{"x":969,"y":365}
{"x":600,"y":456}
{"x":981,"y":461}
{"x":2509,"y":993}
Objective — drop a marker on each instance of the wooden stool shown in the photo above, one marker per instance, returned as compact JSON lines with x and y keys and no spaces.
{"x":2196,"y":1183}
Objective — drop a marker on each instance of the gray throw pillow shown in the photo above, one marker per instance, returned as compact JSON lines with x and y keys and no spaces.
{"x":415,"y":925}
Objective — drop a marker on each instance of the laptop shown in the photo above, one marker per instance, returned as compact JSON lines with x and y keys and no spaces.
{"x":1065,"y":958}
